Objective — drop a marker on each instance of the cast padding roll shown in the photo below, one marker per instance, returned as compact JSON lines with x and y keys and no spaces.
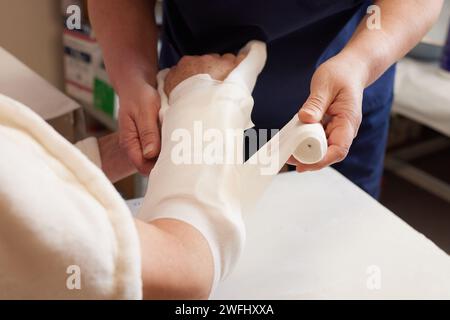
{"x":306,"y":142}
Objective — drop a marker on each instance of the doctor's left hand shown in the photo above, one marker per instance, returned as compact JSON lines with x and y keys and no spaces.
{"x":335,"y":100}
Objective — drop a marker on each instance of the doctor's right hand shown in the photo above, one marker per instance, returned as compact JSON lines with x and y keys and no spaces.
{"x":139,"y":132}
{"x":336,"y":97}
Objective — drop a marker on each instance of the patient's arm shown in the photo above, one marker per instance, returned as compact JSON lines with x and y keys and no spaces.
{"x":107,"y":154}
{"x":115,"y":163}
{"x":177,"y":262}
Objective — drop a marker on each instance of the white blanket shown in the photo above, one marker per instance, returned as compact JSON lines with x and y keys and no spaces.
{"x":65,"y":233}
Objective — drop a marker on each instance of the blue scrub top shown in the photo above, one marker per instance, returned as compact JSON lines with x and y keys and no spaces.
{"x":300,"y":34}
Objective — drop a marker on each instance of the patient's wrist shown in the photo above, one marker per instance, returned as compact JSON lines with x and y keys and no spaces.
{"x":114,"y":161}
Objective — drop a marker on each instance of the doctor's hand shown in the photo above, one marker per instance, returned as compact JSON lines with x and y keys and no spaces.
{"x":139,"y":132}
{"x":335,"y":100}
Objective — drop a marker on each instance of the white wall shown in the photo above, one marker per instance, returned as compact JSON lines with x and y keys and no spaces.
{"x":438,"y":34}
{"x":32,"y":31}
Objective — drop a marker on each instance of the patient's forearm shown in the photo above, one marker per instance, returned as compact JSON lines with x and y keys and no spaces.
{"x":176,"y":260}
{"x":115,"y":163}
{"x":106,"y":153}
{"x":196,"y":232}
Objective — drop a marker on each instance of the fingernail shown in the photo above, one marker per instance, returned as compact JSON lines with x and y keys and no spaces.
{"x":149,"y":148}
{"x":310,"y":112}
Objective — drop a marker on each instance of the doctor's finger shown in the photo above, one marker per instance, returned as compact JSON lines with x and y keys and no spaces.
{"x":129,"y":142}
{"x":340,"y":132}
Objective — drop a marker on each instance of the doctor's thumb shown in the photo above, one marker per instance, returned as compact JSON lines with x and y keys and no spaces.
{"x":314,"y":108}
{"x":149,"y":136}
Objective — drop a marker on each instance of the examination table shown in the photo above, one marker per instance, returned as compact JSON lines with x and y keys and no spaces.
{"x":318,"y":236}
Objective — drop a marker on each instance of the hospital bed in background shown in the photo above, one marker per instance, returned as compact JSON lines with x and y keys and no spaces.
{"x":318,"y":236}
{"x":422,"y":94}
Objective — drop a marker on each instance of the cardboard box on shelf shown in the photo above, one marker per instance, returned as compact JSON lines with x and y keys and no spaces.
{"x":81,"y":56}
{"x":105,"y":98}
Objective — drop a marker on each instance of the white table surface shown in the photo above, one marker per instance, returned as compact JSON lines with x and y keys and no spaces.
{"x":317,"y":235}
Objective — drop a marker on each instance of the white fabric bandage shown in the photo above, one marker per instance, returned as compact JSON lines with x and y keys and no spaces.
{"x":65,"y":232}
{"x":305,"y":142}
{"x":204,"y":195}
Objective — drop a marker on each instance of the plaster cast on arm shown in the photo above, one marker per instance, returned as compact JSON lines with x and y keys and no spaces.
{"x":205,"y":195}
